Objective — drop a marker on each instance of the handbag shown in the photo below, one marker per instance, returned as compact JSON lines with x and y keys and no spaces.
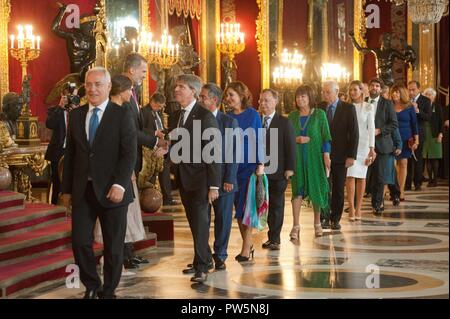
{"x":411,"y":142}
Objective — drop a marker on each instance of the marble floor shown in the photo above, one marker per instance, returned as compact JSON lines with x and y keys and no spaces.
{"x":403,"y":254}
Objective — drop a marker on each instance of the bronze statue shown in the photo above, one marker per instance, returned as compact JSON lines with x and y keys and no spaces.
{"x":11,"y":109}
{"x":81,"y":45}
{"x":386,"y":55}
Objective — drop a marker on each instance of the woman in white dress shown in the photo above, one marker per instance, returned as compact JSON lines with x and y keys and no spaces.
{"x":366,"y":149}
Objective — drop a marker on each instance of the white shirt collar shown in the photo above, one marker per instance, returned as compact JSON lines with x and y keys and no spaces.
{"x":189,"y":108}
{"x":270,"y":115}
{"x":102,"y":106}
{"x":417,"y":97}
{"x":215,"y":112}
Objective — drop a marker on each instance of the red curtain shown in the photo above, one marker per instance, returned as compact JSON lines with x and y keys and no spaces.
{"x":53,"y":63}
{"x":249,"y":67}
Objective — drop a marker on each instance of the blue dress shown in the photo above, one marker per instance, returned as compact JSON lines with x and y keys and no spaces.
{"x":407,"y":126}
{"x":250,"y":153}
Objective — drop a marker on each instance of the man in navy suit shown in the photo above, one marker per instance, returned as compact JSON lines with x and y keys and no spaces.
{"x":210,"y":98}
{"x":284,"y":153}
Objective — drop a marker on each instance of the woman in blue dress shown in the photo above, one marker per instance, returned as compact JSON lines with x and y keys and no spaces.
{"x":238,"y":97}
{"x":407,"y":125}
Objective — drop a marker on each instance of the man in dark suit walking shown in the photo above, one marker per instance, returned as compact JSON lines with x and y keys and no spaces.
{"x":135,"y":68}
{"x":210,"y":98}
{"x":198,"y":177}
{"x":98,"y":165}
{"x":344,"y":146}
{"x":278,"y":173}
{"x":422,"y":106}
{"x":385,"y":125}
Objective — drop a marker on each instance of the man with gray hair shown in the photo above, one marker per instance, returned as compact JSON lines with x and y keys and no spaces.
{"x":98,"y":164}
{"x":344,"y":146}
{"x":199,"y":181}
{"x":210,"y":98}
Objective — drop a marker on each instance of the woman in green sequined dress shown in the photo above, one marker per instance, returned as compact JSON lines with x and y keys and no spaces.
{"x":312,"y":159}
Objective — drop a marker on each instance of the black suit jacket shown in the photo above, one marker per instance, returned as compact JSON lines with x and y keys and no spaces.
{"x":57,"y":123}
{"x":198,"y":176}
{"x":143,"y":138}
{"x":424,"y":114}
{"x":286,"y":146}
{"x":386,"y":121}
{"x":109,"y":161}
{"x":149,"y":120}
{"x":344,"y":132}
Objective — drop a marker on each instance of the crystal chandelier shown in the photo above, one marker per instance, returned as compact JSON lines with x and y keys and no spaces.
{"x":424,"y":11}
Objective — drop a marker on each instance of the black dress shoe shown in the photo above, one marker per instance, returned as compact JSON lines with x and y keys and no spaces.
{"x":335,"y":225}
{"x":220,"y":265}
{"x":199,"y":277}
{"x":418,"y":188}
{"x":130,"y":264}
{"x":106,"y":296}
{"x":171,"y":202}
{"x":139,"y":260}
{"x":325,"y":224}
{"x":274,"y":246}
{"x":396,"y":201}
{"x":266,"y":244}
{"x":189,"y":270}
{"x":377,"y":211}
{"x":90,"y":294}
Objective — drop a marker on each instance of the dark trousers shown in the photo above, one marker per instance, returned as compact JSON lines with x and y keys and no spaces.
{"x":113,"y":222}
{"x":128,"y":251}
{"x":415,"y":168}
{"x":164,"y":181}
{"x":223,"y":217}
{"x":338,"y":175}
{"x":377,"y":181}
{"x":275,"y":218}
{"x":198,"y":215}
{"x":56,"y":183}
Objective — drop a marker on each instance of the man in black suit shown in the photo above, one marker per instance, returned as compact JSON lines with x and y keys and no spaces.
{"x":385,"y":125}
{"x":422,"y":105}
{"x":279,"y":172}
{"x":344,"y":146}
{"x":197,"y":176}
{"x":58,"y":122}
{"x":135,"y":67}
{"x":153,"y":123}
{"x":98,"y":164}
{"x":210,"y":98}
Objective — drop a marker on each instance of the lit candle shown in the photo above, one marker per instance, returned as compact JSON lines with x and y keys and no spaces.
{"x":117,"y":50}
{"x":134,"y":44}
{"x":178,"y":49}
{"x":33,"y":39}
{"x":38,"y":42}
{"x":12,"y":41}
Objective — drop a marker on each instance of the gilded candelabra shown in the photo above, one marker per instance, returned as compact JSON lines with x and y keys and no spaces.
{"x":163,"y":53}
{"x":288,"y":75}
{"x":229,"y":42}
{"x":336,"y":72}
{"x":28,"y":48}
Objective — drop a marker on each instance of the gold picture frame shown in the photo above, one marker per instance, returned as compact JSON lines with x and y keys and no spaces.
{"x":5,"y":11}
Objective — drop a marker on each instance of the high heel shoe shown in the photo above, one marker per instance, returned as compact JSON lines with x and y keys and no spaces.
{"x":295,"y":233}
{"x":241,"y":258}
{"x":318,"y":232}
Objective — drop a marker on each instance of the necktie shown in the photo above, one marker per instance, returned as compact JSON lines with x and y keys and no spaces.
{"x":372,"y":102}
{"x":133,"y":92}
{"x":93,"y":125}
{"x":158,"y":122}
{"x":181,"y":119}
{"x":266,"y":122}
{"x":330,"y":114}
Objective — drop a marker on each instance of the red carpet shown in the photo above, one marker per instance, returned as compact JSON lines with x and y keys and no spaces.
{"x":35,"y":244}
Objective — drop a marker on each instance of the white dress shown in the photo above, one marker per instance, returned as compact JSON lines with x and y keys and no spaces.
{"x":366,"y":123}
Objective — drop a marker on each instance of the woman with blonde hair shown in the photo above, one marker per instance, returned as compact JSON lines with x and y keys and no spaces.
{"x":366,"y":149}
{"x":407,"y":125}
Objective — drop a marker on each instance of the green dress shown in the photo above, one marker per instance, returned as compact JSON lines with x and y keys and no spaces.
{"x":309,"y":174}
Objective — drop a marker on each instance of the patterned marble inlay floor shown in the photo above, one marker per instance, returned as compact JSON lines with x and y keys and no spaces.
{"x":403,"y":254}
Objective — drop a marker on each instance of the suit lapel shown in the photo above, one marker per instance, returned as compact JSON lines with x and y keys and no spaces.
{"x":82,"y":125}
{"x":192,"y":116}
